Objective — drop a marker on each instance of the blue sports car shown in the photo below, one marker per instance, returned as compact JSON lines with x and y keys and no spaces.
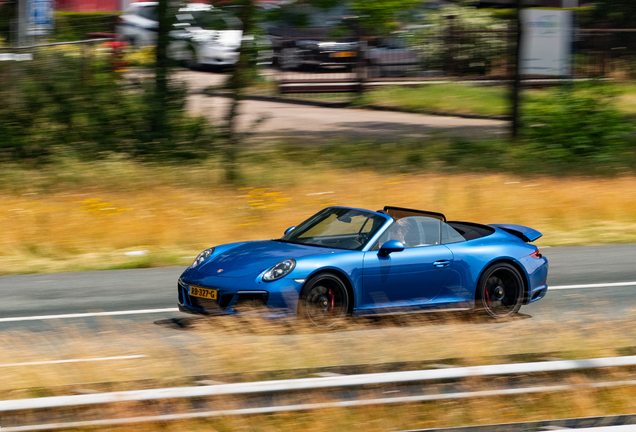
{"x":346,"y":261}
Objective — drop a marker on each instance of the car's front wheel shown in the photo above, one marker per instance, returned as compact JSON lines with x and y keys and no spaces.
{"x":324,"y":301}
{"x":500,"y":291}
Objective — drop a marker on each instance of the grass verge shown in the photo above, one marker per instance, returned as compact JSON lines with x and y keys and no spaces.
{"x":463,"y":98}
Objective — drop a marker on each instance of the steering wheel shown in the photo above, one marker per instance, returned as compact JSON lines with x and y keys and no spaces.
{"x":362,"y":238}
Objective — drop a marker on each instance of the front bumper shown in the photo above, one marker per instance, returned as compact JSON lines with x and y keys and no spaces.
{"x":216,"y":56}
{"x":273,"y":299}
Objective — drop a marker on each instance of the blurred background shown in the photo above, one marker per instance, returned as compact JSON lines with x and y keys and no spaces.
{"x":256,"y":106}
{"x":133,"y":135}
{"x":185,"y":125}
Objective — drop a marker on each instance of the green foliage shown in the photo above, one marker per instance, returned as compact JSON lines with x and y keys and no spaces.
{"x":140,"y":56}
{"x":449,"y":98}
{"x":71,"y":26}
{"x":64,"y":101}
{"x":469,"y":55}
{"x":618,"y":13}
{"x":504,"y":14}
{"x":581,"y":124}
{"x":291,"y":16}
{"x":7,"y":13}
{"x":325,"y":4}
{"x":381,"y":16}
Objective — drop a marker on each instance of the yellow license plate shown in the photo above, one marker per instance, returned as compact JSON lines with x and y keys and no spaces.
{"x":205,"y":293}
{"x":344,"y":54}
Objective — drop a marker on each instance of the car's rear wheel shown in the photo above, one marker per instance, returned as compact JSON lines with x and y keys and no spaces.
{"x":324,"y":301}
{"x":500,"y":291}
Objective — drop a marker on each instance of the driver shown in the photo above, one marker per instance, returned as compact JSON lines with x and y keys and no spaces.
{"x":398,"y":230}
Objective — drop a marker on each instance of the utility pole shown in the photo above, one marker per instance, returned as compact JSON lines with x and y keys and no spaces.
{"x":21,"y":12}
{"x":160,"y":103}
{"x":516,"y":86}
{"x":237,"y":83}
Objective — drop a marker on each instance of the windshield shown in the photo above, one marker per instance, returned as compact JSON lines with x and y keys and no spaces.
{"x":338,"y":228}
{"x":210,"y":20}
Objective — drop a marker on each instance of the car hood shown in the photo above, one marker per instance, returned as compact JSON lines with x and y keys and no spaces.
{"x":255,"y":257}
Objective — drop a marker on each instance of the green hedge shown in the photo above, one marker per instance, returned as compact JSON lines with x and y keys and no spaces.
{"x":71,"y":26}
{"x":69,"y":102}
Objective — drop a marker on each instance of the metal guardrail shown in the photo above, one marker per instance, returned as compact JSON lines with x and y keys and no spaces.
{"x":611,"y":423}
{"x":308,"y":384}
{"x":308,"y":407}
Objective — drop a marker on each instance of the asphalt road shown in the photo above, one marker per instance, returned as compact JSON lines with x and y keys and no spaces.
{"x":151,"y":289}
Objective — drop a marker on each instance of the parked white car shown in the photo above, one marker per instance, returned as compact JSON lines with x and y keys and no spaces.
{"x":138,"y":24}
{"x":201,"y":34}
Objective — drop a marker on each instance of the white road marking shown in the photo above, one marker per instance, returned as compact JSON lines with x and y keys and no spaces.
{"x":87,"y":315}
{"x":74,"y":360}
{"x":599,"y":285}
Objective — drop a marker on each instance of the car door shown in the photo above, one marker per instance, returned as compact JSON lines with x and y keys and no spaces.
{"x":410,"y":278}
{"x":407,"y":279}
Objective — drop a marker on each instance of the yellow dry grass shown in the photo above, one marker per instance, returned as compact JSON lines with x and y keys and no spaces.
{"x":226,"y":344}
{"x":173,"y":214}
{"x":232,"y":344}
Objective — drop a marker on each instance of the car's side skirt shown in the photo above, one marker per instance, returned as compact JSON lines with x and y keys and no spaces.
{"x":398,"y":312}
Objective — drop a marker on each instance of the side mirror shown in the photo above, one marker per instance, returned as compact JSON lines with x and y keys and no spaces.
{"x":288,"y":230}
{"x":391,"y":246}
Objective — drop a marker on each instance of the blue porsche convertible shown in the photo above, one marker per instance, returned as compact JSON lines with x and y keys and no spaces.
{"x":346,"y":261}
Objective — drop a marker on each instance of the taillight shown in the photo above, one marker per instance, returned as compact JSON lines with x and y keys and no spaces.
{"x":536,"y":254}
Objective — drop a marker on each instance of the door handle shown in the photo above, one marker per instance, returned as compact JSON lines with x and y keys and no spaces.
{"x":441,"y":264}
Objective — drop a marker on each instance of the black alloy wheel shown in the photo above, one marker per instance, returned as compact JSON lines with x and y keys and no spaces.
{"x":500,"y":291}
{"x":324,"y":301}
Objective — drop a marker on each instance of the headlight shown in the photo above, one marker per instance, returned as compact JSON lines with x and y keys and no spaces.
{"x":202,"y":257}
{"x":280,"y":270}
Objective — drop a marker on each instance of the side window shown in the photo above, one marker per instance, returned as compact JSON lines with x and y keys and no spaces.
{"x":414,"y":231}
{"x":450,"y":234}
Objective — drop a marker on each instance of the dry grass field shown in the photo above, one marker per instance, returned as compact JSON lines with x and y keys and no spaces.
{"x":225,"y":344}
{"x":92,"y":216}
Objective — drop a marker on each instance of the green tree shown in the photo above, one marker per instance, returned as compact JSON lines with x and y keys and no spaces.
{"x":618,"y":13}
{"x":382,"y":16}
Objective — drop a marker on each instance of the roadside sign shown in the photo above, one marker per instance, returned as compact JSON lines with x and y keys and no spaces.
{"x":40,"y":17}
{"x":547,"y":42}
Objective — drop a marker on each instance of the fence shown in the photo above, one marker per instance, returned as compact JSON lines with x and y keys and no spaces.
{"x":316,"y":63}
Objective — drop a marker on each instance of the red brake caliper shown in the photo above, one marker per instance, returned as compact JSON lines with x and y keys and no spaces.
{"x":487,"y":295}
{"x":332,"y":301}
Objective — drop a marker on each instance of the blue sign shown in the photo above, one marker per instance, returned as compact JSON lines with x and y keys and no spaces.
{"x":40,"y":14}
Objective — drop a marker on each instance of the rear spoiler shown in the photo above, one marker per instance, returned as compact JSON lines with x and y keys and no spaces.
{"x":523,"y":232}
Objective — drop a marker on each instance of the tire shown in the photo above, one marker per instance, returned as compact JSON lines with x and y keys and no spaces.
{"x":324,"y":301}
{"x":499,"y":291}
{"x":132,"y":41}
{"x":192,"y":63}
